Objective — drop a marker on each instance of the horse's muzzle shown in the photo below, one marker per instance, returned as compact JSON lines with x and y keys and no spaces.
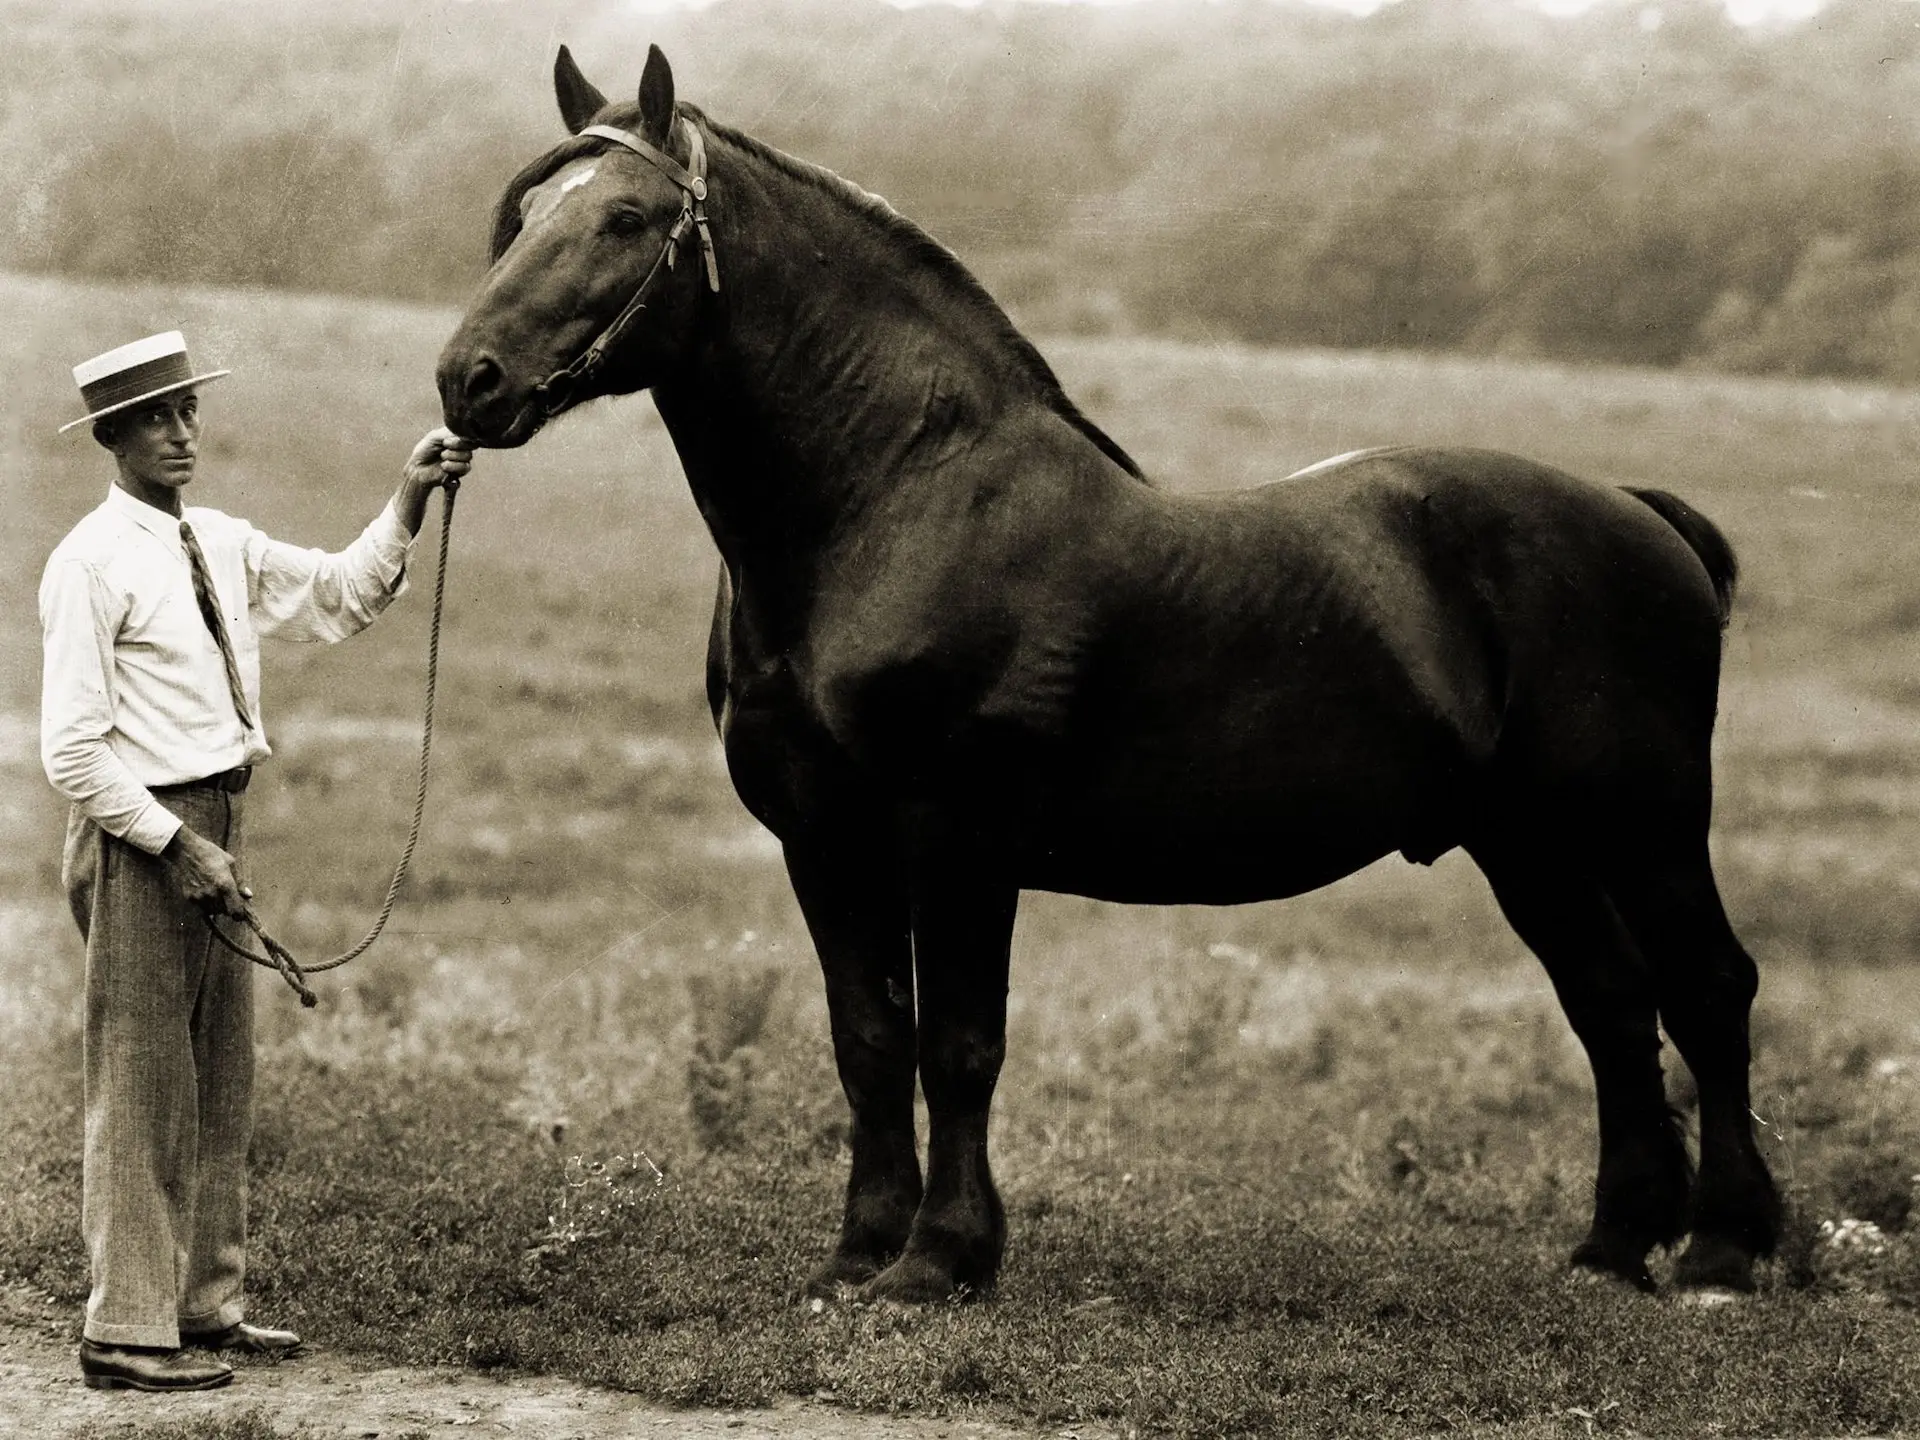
{"x":479,"y":401}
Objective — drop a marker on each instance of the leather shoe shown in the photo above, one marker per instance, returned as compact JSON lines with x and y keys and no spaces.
{"x":252,"y":1339}
{"x":130,"y":1367}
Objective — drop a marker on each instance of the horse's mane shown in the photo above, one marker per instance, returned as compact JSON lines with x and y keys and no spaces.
{"x":918,"y":247}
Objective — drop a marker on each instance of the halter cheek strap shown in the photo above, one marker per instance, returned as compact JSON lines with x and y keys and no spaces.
{"x":556,"y":392}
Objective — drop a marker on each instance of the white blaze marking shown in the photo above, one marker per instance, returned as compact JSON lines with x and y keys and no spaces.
{"x":541,"y":201}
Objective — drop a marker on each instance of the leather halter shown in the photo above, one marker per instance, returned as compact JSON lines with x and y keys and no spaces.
{"x":556,"y":392}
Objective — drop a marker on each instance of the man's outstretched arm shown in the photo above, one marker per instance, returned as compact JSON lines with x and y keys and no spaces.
{"x":300,"y":594}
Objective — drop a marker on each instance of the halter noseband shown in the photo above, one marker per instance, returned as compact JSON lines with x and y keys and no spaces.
{"x":556,"y":392}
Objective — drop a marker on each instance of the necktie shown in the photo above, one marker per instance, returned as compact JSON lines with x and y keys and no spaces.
{"x":210,"y":612}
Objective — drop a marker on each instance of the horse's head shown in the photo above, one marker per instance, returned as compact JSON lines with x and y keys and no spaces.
{"x":601,"y":264}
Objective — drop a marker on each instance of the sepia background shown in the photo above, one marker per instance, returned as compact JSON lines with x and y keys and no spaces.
{"x":1304,"y":1168}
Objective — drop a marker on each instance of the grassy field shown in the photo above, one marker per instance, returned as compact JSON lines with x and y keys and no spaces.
{"x":1298,"y":1169}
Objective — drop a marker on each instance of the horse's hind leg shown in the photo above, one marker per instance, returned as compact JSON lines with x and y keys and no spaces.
{"x":856,"y":907}
{"x":1566,"y":919}
{"x":1706,"y":981}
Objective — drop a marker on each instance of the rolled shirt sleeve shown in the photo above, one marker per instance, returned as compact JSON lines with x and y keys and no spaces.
{"x":297,"y":594}
{"x":79,"y":618}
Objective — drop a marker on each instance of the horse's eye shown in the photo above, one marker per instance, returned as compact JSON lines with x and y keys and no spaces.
{"x":624,"y":222}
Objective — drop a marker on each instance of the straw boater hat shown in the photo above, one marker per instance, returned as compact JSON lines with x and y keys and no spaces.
{"x":144,"y":370}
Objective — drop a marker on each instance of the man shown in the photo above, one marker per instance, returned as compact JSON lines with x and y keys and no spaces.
{"x":150,"y":726}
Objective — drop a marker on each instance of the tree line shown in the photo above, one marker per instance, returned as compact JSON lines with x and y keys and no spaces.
{"x":1647,"y":183}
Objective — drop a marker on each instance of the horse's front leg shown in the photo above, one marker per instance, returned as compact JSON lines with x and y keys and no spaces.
{"x":962,"y":937}
{"x":856,"y":907}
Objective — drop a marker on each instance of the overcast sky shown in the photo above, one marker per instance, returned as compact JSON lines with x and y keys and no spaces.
{"x":1745,"y":12}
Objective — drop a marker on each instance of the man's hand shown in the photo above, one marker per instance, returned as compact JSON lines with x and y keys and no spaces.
{"x":441,"y":455}
{"x":205,"y":875}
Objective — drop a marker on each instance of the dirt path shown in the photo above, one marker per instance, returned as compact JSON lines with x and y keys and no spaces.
{"x":339,"y":1395}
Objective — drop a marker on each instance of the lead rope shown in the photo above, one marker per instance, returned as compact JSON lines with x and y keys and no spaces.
{"x":278,"y":957}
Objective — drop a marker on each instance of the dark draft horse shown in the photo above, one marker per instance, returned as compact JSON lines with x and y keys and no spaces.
{"x":963,"y":648}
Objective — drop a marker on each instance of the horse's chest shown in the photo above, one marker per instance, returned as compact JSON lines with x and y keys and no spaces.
{"x":767,"y":735}
{"x":859,"y":709}
{"x":799,"y":734}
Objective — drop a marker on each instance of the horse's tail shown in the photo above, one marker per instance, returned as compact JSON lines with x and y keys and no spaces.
{"x":1723,"y":568}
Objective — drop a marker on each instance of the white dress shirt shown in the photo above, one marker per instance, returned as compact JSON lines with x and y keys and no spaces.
{"x":134,"y":692}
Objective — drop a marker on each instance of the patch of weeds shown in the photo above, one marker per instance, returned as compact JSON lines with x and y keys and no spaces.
{"x":596,"y":1197}
{"x":1852,"y":1254}
{"x":965,"y":1378}
{"x":491,"y":1348}
{"x":1875,"y":1184}
{"x":731,"y":1010}
{"x":1319,"y":1057}
{"x":1843,"y":1134}
{"x":248,"y":1425}
{"x":1205,"y":1013}
{"x":386,"y":990}
{"x":1796,"y":1252}
{"x":1113,"y":1046}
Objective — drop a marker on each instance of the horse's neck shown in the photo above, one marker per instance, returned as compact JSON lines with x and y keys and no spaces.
{"x":839,"y":369}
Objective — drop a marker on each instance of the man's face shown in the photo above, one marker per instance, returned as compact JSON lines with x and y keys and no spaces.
{"x":158,"y":441}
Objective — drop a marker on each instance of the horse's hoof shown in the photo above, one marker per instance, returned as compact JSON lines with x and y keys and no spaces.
{"x":911,"y":1280}
{"x":1710,"y":1263}
{"x":1598,"y":1260}
{"x":1708,"y":1297}
{"x":840,"y":1277}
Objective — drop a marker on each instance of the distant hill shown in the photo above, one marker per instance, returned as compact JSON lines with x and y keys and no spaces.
{"x":1647,"y":183}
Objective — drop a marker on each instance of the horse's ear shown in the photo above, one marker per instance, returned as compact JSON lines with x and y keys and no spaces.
{"x":579,"y":101}
{"x":656,"y":97}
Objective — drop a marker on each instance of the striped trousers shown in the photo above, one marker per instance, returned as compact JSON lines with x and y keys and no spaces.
{"x":169,"y":1088}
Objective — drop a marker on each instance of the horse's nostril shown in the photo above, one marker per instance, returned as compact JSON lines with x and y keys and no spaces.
{"x":484,"y":378}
